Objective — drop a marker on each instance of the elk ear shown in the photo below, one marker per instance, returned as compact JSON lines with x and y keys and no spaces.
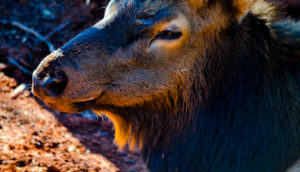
{"x":242,"y":7}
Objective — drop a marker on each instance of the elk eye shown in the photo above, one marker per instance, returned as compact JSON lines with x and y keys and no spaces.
{"x":169,"y":35}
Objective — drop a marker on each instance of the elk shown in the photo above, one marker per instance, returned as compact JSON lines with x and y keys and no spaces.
{"x":197,"y":85}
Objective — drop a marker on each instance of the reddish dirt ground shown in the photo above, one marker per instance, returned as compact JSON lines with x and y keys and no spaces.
{"x":33,"y":138}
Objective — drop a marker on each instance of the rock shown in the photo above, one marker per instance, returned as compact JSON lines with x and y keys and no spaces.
{"x":19,"y":90}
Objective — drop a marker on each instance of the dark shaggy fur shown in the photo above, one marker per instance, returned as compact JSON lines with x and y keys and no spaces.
{"x":251,"y":122}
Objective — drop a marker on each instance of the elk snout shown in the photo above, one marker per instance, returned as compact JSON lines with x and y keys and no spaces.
{"x":49,"y":83}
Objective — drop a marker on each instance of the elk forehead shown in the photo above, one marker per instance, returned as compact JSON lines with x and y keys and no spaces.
{"x":144,"y":6}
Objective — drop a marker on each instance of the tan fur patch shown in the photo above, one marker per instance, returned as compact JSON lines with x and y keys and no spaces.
{"x":264,"y":10}
{"x":215,"y":21}
{"x":123,"y":131}
{"x":196,"y":3}
{"x":243,"y":6}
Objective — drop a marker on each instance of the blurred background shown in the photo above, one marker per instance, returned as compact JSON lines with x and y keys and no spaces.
{"x":33,"y":137}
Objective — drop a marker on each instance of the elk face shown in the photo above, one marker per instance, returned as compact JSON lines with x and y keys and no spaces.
{"x":140,"y":51}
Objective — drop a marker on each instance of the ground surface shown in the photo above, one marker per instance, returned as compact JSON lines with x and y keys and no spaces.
{"x":32,"y":137}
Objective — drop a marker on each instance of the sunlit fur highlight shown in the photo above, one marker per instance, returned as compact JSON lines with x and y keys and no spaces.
{"x":123,"y":131}
{"x":196,"y":3}
{"x":242,"y":7}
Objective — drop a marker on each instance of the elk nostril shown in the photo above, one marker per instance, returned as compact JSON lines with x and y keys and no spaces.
{"x":48,"y":81}
{"x":54,"y":85}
